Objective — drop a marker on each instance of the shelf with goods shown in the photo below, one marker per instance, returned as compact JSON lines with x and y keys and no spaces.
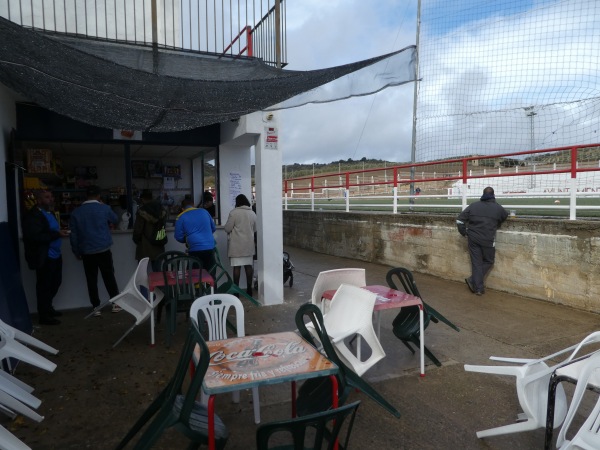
{"x":46,"y":172}
{"x":66,"y":201}
{"x":164,"y":188}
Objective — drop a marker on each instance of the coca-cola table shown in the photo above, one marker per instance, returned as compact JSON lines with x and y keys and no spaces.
{"x":246,"y":362}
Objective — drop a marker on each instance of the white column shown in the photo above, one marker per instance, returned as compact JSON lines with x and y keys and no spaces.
{"x":268,"y":178}
{"x":234,"y":158}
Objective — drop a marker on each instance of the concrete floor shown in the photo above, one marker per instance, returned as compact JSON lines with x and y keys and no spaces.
{"x":96,"y":393}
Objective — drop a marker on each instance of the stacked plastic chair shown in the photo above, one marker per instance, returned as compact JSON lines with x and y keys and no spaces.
{"x":350,"y":313}
{"x":588,"y":435}
{"x":333,"y":279}
{"x":16,"y":396}
{"x":532,"y":379}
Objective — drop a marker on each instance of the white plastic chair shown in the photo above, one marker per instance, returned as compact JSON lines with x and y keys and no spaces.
{"x":333,"y":279}
{"x":11,"y":348}
{"x":9,"y":441}
{"x":588,"y":436}
{"x":14,"y":380}
{"x":13,"y":405}
{"x":14,"y":333}
{"x":532,"y":381}
{"x":132,"y":300}
{"x":350,"y":313}
{"x":215,"y":308}
{"x":19,"y":391}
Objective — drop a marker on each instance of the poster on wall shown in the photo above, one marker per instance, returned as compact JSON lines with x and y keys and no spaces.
{"x":235,"y":186}
{"x":169,"y":183}
{"x":271,"y":138}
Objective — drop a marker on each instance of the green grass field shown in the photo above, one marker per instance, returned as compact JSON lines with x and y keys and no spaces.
{"x":521,"y":206}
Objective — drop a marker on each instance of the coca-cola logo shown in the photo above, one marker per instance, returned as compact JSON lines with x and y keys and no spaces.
{"x":259,"y":351}
{"x":260,"y":357}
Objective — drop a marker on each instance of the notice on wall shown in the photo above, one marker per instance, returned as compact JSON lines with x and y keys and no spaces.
{"x":235,"y":186}
{"x":271,"y":138}
{"x":169,"y":183}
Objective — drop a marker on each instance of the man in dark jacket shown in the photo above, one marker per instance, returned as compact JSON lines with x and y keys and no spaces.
{"x":479,"y":222}
{"x":42,"y":239}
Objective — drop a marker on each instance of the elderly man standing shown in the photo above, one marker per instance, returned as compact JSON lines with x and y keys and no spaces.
{"x":42,"y":239}
{"x":479,"y":222}
{"x":91,"y":241}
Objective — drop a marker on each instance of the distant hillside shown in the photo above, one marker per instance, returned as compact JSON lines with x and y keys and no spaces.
{"x":298,"y":170}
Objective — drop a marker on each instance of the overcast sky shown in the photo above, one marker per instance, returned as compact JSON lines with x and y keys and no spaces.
{"x":485,"y":63}
{"x":333,"y":32}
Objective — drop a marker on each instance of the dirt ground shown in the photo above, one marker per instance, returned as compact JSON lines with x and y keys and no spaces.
{"x":96,"y":393}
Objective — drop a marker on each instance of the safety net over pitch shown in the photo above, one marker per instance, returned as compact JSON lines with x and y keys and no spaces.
{"x":132,"y":87}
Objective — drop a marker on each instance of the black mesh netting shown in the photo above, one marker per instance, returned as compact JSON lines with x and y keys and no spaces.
{"x":131,"y":87}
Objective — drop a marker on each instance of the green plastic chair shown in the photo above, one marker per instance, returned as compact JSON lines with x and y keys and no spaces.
{"x":163,"y":263}
{"x":308,"y":432}
{"x":177,"y":408}
{"x":315,"y":394}
{"x":224,"y":283}
{"x":410,"y":287}
{"x":183,"y":293}
{"x":405,"y":325}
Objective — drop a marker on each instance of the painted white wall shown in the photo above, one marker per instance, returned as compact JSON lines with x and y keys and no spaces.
{"x":8,"y":121}
{"x":237,"y":140}
{"x":235,"y":178}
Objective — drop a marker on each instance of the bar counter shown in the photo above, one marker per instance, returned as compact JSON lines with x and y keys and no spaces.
{"x":73,"y":291}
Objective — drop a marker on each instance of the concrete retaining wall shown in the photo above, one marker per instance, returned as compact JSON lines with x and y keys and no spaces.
{"x":553,"y":260}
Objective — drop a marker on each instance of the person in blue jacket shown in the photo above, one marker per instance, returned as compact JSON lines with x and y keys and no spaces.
{"x":195,"y":227}
{"x":91,"y":241}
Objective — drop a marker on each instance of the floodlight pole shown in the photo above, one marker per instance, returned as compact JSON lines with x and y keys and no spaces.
{"x":531,"y":114}
{"x":154,"y":14}
{"x":413,"y":151}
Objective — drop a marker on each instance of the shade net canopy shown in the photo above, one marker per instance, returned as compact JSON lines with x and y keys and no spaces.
{"x":133,"y":87}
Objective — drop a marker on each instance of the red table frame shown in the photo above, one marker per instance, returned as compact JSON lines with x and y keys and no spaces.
{"x":157,"y":279}
{"x":267,"y":359}
{"x":388,"y":298}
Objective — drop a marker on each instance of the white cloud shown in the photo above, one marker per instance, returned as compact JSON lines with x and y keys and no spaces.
{"x":329,"y":33}
{"x":480,"y":76}
{"x":482,"y":65}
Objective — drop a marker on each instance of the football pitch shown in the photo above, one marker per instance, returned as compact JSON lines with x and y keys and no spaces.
{"x":587,"y":207}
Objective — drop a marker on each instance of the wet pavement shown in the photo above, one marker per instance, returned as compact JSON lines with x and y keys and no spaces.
{"x":97,"y":392}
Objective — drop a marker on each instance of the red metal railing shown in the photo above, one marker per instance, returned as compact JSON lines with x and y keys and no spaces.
{"x":465,"y":174}
{"x":247,"y":31}
{"x":463,"y":170}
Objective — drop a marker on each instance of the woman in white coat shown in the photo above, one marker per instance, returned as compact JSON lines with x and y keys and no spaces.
{"x":240,"y":228}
